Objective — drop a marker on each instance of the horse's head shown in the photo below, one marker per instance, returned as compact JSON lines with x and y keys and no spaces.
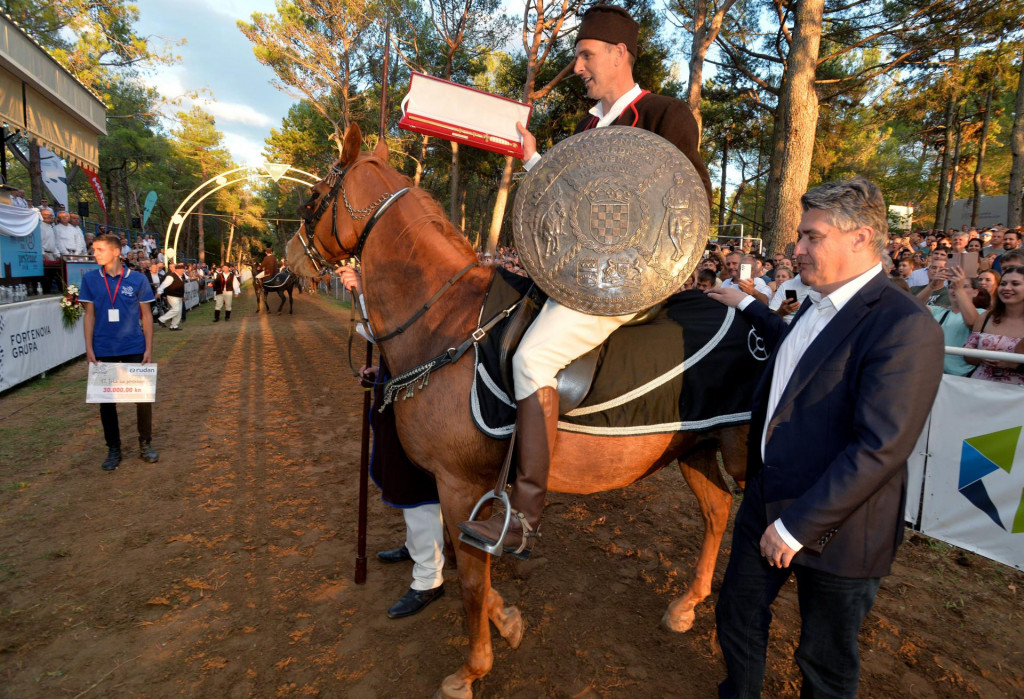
{"x":333,"y":230}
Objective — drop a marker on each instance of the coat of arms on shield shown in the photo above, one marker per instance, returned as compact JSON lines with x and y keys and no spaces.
{"x":609,"y":221}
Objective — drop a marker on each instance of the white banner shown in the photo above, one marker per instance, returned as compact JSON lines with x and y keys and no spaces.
{"x":33,"y":339}
{"x":121,"y":383}
{"x":974,"y":479}
{"x":191,"y":294}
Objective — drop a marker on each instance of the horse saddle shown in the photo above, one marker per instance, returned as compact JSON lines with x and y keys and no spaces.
{"x":277,"y":281}
{"x":576,"y":379}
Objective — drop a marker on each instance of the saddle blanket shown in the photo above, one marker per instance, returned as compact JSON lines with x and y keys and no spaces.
{"x":693,"y":368}
{"x":278,"y":280}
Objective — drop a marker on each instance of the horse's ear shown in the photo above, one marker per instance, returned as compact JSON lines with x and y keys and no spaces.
{"x":353,"y":144}
{"x":381,"y":151}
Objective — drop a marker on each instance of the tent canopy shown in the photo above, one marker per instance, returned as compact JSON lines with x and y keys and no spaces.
{"x":41,"y":98}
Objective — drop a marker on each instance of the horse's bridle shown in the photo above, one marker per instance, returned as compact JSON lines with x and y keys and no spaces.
{"x":375,"y":210}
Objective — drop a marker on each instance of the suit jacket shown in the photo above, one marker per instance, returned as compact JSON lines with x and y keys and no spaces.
{"x":668,"y":117}
{"x":836,"y":448}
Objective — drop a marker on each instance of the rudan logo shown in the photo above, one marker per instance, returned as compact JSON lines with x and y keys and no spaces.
{"x":982,"y":460}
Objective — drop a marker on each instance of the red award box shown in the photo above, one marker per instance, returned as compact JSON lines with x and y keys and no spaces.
{"x":463,"y":114}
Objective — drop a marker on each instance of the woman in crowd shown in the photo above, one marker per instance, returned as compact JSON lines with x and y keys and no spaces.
{"x":989,"y":281}
{"x":782,"y":274}
{"x":1001,"y":330}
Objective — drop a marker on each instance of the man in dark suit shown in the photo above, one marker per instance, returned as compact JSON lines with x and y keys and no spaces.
{"x":848,"y":388}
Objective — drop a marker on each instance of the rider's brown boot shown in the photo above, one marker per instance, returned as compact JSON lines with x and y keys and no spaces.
{"x":536,"y":428}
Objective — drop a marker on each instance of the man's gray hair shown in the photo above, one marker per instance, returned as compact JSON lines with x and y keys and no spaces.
{"x":851,"y":204}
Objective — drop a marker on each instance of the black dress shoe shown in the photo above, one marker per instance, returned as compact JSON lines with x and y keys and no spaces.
{"x":414,"y":601}
{"x":394,"y":555}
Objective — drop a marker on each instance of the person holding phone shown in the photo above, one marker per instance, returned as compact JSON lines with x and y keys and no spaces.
{"x":935,"y":292}
{"x":788,"y":297}
{"x":742,"y":276}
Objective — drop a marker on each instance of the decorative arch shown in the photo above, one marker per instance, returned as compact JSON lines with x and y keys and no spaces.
{"x":273,"y":171}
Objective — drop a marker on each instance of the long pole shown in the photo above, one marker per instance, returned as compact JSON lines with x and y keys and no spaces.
{"x":364,"y":473}
{"x":364,"y":446}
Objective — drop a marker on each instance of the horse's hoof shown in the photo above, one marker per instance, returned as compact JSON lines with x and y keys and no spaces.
{"x":515,"y":625}
{"x":679,"y":623}
{"x":454,"y":687}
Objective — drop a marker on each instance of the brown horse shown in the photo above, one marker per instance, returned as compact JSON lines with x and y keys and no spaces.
{"x":412,"y":251}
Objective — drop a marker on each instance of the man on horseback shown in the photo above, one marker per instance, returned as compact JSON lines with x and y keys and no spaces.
{"x":606,"y":48}
{"x":268,"y":266}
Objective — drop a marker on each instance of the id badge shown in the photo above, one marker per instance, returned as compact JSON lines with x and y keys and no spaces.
{"x":113,"y":315}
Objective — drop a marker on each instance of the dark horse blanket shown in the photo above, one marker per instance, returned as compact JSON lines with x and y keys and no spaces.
{"x":278,"y":281}
{"x":693,"y":368}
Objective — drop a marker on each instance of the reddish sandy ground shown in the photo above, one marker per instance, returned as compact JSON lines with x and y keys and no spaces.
{"x":225,"y":570}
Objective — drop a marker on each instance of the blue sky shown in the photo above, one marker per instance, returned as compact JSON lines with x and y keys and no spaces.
{"x":217,"y":59}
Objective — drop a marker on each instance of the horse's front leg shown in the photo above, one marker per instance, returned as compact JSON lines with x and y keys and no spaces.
{"x":700,"y":469}
{"x":478,"y":599}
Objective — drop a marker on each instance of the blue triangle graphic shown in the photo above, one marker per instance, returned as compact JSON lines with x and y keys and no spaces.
{"x":976,"y":493}
{"x":973,"y":466}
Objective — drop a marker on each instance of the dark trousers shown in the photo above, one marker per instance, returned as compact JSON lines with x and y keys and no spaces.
{"x":108,"y":411}
{"x":832,"y":609}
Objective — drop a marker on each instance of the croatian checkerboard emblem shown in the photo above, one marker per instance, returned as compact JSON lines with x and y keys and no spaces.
{"x":611,"y":221}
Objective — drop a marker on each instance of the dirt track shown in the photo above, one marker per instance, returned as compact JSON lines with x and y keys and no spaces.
{"x":225,"y":569}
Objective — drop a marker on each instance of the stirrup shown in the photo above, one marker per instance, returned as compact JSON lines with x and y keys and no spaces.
{"x":494,"y":549}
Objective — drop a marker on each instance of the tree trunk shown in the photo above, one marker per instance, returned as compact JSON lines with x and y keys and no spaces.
{"x":231,"y":239}
{"x":1013,"y":211}
{"x":419,"y":163}
{"x":35,"y":172}
{"x":954,"y":164}
{"x":947,"y":146}
{"x":453,"y":194}
{"x":982,"y":146}
{"x":500,"y":202}
{"x":736,"y":202}
{"x":721,"y":189}
{"x":795,"y":127}
{"x":696,"y":82}
{"x":201,"y":234}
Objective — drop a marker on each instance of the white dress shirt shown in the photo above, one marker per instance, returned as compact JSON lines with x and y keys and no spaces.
{"x":70,"y":240}
{"x":602,"y":119}
{"x":49,"y":238}
{"x":804,"y":332}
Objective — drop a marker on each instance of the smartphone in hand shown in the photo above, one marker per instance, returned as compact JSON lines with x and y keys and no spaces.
{"x":745,"y":271}
{"x":791,"y":294}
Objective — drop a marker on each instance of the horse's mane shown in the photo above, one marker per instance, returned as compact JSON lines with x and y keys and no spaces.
{"x":432,"y":212}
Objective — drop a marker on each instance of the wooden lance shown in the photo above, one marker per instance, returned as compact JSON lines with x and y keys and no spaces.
{"x":364,"y":445}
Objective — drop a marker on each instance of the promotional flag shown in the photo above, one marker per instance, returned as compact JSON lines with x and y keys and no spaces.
{"x":94,"y":180}
{"x":148,"y":209}
{"x":54,"y":177}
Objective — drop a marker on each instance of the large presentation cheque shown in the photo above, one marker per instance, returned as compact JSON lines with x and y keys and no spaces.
{"x":462,"y":114}
{"x":121,"y":383}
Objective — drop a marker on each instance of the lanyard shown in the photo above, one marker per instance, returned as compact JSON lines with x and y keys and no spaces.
{"x":117,"y":288}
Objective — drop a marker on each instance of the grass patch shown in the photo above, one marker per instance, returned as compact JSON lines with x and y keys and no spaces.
{"x":17,"y":485}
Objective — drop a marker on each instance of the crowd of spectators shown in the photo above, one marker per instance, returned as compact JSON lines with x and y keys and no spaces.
{"x":972,"y":281}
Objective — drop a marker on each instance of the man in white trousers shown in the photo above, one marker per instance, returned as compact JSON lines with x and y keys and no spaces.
{"x":406,"y":487}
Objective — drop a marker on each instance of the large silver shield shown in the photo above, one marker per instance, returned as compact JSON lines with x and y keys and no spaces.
{"x":611,"y":221}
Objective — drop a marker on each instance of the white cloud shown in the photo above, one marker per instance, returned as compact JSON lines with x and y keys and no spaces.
{"x":245,"y":150}
{"x":238,"y":9}
{"x":237,"y":113}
